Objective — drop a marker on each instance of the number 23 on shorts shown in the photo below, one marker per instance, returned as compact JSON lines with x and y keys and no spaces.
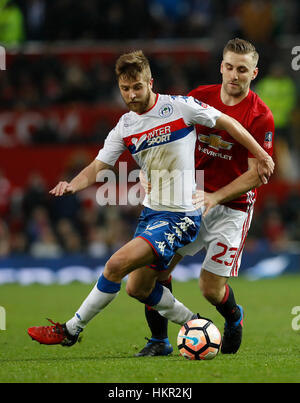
{"x":223,"y":251}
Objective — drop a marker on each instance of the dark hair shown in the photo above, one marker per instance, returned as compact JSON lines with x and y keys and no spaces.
{"x":241,"y":47}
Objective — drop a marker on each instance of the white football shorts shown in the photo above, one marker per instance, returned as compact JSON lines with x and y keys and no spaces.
{"x":223,"y":234}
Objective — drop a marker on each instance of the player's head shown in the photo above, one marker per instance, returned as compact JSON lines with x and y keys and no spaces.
{"x":135,"y":80}
{"x":239,"y":66}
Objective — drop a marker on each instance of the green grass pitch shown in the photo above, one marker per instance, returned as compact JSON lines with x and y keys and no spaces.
{"x":270,"y":351}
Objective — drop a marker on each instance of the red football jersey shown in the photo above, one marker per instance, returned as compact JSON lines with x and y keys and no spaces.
{"x":217,"y":153}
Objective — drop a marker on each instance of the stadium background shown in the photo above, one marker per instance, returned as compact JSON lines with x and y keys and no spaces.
{"x":59,"y":99}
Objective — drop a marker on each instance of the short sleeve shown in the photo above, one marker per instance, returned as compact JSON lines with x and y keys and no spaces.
{"x":262,"y":129}
{"x":113,"y":146}
{"x":197,"y":112}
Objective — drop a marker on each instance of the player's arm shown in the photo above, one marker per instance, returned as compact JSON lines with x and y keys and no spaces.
{"x":239,"y":186}
{"x":106,"y":159}
{"x":196,"y":112}
{"x":85,"y":178}
{"x":265,"y":164}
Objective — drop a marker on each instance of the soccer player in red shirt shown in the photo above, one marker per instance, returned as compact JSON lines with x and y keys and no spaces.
{"x":230,"y":182}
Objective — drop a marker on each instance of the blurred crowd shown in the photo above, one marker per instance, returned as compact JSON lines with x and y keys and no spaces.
{"x":47,"y":227}
{"x":276,"y":225}
{"x":147,"y":19}
{"x":49,"y":79}
{"x":31,"y":221}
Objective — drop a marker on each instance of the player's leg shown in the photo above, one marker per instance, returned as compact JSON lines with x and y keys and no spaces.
{"x":159,"y":343}
{"x":135,"y":253}
{"x":224,"y":238}
{"x":223,"y":233}
{"x":147,"y":248}
{"x":212,"y":286}
{"x":166,"y":232}
{"x":158,"y":324}
{"x":216,"y":290}
{"x":143,"y":285}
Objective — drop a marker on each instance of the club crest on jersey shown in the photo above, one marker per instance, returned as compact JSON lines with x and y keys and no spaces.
{"x":215,"y":141}
{"x":268,"y":140}
{"x":166,"y":110}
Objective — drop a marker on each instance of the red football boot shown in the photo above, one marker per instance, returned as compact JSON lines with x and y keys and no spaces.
{"x":56,"y":334}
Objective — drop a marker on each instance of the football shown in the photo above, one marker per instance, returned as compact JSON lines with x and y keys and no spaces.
{"x":199,"y":339}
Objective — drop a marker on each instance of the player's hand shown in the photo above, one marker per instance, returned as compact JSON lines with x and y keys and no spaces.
{"x":146,"y":185}
{"x":61,"y":189}
{"x":265,"y":168}
{"x":203,"y":199}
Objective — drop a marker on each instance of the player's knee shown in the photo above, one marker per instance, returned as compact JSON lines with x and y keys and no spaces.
{"x":209,"y":291}
{"x":136,"y":292}
{"x":114,"y":268}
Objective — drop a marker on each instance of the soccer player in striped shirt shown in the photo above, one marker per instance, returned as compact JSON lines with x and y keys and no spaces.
{"x":159,"y":131}
{"x":230,"y":182}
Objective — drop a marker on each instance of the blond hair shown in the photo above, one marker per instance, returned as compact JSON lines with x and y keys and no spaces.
{"x":131,"y":65}
{"x":241,"y":47}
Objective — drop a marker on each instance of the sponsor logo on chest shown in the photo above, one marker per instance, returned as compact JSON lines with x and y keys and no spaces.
{"x":215,"y":141}
{"x":155,"y":136}
{"x":162,"y":134}
{"x":217,"y":144}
